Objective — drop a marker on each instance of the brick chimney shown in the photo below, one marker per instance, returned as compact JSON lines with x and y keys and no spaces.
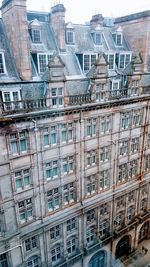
{"x":14,"y":16}
{"x":58,"y":24}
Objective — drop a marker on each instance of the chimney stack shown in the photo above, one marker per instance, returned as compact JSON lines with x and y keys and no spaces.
{"x":14,"y":15}
{"x":58,"y":24}
{"x":97,"y":20}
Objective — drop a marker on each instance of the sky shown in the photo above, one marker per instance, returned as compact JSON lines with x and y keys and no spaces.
{"x":81,"y":11}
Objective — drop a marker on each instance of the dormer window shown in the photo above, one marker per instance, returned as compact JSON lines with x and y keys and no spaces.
{"x":70,"y":34}
{"x":2,"y":64}
{"x":97,"y":38}
{"x":43,"y":60}
{"x":89,"y":61}
{"x":111,"y":61}
{"x":36,"y":36}
{"x":70,"y":37}
{"x":35,"y":31}
{"x":124,"y":60}
{"x":117,"y":37}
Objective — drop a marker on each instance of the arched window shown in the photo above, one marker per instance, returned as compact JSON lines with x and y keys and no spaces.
{"x":143,"y":231}
{"x":33,"y":262}
{"x":98,"y":260}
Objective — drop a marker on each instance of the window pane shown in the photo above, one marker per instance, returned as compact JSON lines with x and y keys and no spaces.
{"x":48,"y":173}
{"x":26,"y":180}
{"x":14,"y":147}
{"x":64,"y":168}
{"x":15,"y":96}
{"x":29,"y":214}
{"x":23,"y":145}
{"x":70,"y":135}
{"x":46,"y":140}
{"x":53,"y":138}
{"x":36,"y":36}
{"x":55,"y":171}
{"x":18,"y":183}
{"x":1,"y":64}
{"x":7,"y":97}
{"x":64,"y":136}
{"x":42,"y":63}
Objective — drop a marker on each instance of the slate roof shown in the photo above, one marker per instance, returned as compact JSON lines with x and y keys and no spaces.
{"x":41,"y":16}
{"x":33,"y":91}
{"x":29,"y":90}
{"x":77,"y":87}
{"x":48,"y":40}
{"x":84,"y":41}
{"x":71,"y":63}
{"x":11,"y":69}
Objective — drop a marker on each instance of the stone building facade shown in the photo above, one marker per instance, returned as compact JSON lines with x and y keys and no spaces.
{"x":74,"y":141}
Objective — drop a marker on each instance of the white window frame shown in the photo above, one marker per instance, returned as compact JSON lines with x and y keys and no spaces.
{"x":126,"y":119}
{"x":57,"y":96}
{"x":91,"y":158}
{"x":45,"y":54}
{"x":69,"y":162}
{"x":68,"y":31}
{"x":52,"y":198}
{"x":135,"y":145}
{"x":91,"y":183}
{"x":105,"y":124}
{"x":48,"y":132}
{"x":108,"y":55}
{"x":51,"y":165}
{"x":104,"y":179}
{"x":24,"y":209}
{"x":21,"y":177}
{"x":123,"y":172}
{"x":90,"y":63}
{"x":125,"y":54}
{"x":115,"y":41}
{"x":69,"y":190}
{"x":91,"y":127}
{"x":124,"y":147}
{"x":4,"y":63}
{"x":137,"y":118}
{"x":17,"y":138}
{"x":7,"y":104}
{"x":67,"y":128}
{"x":32,"y":32}
{"x":104,"y":153}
